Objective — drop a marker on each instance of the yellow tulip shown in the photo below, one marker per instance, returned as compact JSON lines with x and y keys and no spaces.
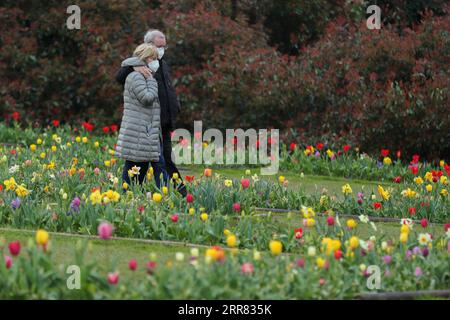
{"x":42,"y":237}
{"x":276,"y":247}
{"x":157,"y":197}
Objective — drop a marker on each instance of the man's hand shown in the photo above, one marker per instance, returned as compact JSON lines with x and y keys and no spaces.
{"x":145,"y":71}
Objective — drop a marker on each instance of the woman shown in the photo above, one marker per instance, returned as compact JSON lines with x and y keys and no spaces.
{"x":139,"y":141}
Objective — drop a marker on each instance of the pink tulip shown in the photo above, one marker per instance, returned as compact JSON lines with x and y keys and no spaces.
{"x":8,"y":262}
{"x":132,"y":264}
{"x":174,"y":218}
{"x":237,"y":207}
{"x":245,"y":183}
{"x":330,"y":221}
{"x":189,"y":198}
{"x":113,"y":278}
{"x":424,"y":222}
{"x":105,"y":230}
{"x":247,"y":268}
{"x":14,"y":248}
{"x":96,"y":171}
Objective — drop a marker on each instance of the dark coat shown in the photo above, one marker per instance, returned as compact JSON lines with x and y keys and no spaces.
{"x":170,"y":104}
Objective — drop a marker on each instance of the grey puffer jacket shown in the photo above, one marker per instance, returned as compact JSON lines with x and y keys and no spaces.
{"x":140,"y":130}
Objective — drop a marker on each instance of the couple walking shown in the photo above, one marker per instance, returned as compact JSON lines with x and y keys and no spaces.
{"x":151,"y":107}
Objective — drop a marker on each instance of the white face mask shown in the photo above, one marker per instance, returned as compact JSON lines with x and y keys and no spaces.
{"x":160,"y":53}
{"x":154,"y":65}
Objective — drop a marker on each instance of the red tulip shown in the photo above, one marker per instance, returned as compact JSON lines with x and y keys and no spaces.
{"x":190,"y":178}
{"x":113,"y":278}
{"x":447,"y":226}
{"x":319,"y":146}
{"x":293,"y":146}
{"x":236,"y":207}
{"x":114,"y":127}
{"x":132,"y":264}
{"x":88,"y":126}
{"x":412,"y":211}
{"x":189,"y":198}
{"x":174,"y":218}
{"x":8,"y":262}
{"x":397,"y":179}
{"x":14,"y":248}
{"x":55,"y":123}
{"x":301,"y":263}
{"x":105,"y":129}
{"x":330,"y":221}
{"x":384,"y":152}
{"x":346,"y":148}
{"x":16,"y":116}
{"x":338,"y":254}
{"x":377,"y":205}
{"x":298,"y":233}
{"x":424,"y":222}
{"x":245,"y":183}
{"x":415,"y":159}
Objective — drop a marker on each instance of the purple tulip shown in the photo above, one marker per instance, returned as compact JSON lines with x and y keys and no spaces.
{"x":425,"y":252}
{"x":416,"y":250}
{"x":387,"y":259}
{"x":15,"y":203}
{"x":75,"y":204}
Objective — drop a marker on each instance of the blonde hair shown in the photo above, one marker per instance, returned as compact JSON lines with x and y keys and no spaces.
{"x":145,"y":51}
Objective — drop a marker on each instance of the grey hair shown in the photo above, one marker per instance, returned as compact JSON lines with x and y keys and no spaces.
{"x":152,"y":34}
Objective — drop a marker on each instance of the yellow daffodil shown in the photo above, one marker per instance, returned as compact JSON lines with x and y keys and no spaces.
{"x":21,"y":191}
{"x":191,"y":211}
{"x":33,"y":147}
{"x":204,"y":216}
{"x":228,"y":183}
{"x":409,"y":193}
{"x":429,"y":188}
{"x":444,"y":192}
{"x":346,"y":189}
{"x":418,"y":180}
{"x":429,"y":176}
{"x":10,"y":184}
{"x":383,"y":193}
{"x":281,"y":179}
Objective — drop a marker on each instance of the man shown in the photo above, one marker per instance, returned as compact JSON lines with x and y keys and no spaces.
{"x":170,"y":105}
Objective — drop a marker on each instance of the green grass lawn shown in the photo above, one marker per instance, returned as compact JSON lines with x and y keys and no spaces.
{"x":104,"y":251}
{"x":309,"y":183}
